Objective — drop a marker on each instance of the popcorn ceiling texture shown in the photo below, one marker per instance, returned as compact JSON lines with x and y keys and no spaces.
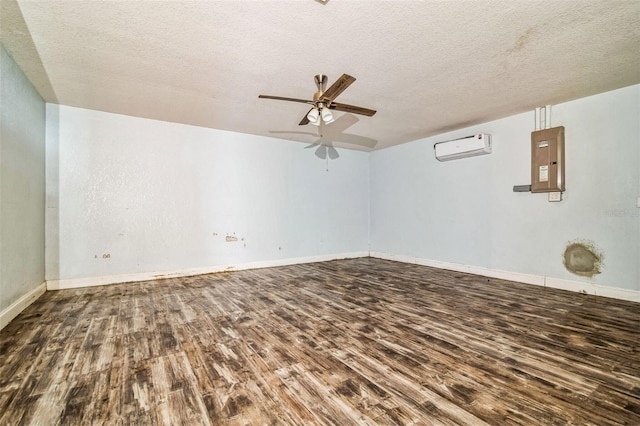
{"x":427,"y":66}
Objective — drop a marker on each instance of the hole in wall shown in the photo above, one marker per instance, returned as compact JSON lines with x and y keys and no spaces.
{"x":582,"y":257}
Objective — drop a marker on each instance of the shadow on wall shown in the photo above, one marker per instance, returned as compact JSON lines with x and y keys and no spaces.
{"x":335,"y":132}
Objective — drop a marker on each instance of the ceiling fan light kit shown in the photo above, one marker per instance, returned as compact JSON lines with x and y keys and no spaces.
{"x":314,"y":117}
{"x":323,"y":101}
{"x":327,"y":117}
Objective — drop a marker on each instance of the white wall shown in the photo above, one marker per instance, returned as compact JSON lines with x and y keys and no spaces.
{"x":127,"y":195}
{"x":22,"y":186}
{"x":464,"y":212}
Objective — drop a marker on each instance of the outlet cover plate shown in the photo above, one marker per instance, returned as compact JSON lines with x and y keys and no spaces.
{"x":555,"y":197}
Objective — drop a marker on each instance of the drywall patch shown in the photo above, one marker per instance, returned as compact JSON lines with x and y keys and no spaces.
{"x":582,"y":257}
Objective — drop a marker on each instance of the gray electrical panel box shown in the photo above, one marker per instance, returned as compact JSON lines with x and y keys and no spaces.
{"x":547,"y":160}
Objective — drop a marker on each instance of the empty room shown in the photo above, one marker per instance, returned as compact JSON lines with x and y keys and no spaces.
{"x":320,"y":212}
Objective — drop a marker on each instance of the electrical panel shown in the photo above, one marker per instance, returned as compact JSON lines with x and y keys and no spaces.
{"x":547,"y":160}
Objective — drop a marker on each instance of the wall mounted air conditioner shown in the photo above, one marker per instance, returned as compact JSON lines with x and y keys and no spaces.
{"x":461,"y":148}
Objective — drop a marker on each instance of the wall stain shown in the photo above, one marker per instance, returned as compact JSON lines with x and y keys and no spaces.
{"x":582,"y":257}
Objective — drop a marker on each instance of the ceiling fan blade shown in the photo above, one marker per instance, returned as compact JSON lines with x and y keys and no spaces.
{"x":338,"y":87}
{"x":305,"y":120}
{"x":352,"y":108}
{"x":280,"y":98}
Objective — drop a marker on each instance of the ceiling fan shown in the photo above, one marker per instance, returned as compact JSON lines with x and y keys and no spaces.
{"x":323,"y":101}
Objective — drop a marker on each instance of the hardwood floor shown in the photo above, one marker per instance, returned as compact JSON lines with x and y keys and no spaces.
{"x":361,"y":341}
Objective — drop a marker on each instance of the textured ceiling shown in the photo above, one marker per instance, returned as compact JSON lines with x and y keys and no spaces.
{"x":426,"y":66}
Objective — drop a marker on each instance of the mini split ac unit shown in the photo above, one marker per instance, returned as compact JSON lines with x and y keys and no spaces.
{"x":461,"y":148}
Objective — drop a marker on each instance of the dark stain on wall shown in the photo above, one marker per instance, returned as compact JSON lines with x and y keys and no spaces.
{"x":582,"y":258}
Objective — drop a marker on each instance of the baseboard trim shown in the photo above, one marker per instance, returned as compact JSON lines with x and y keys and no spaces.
{"x":147,"y":276}
{"x":541,"y":280}
{"x":577,"y":286}
{"x":13,"y":310}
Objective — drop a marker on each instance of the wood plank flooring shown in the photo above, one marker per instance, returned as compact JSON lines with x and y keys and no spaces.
{"x":360,"y":341}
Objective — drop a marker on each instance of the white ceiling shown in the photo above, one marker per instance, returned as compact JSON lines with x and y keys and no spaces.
{"x":426,"y":66}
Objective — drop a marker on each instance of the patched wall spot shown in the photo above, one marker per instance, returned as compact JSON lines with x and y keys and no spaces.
{"x":582,"y":258}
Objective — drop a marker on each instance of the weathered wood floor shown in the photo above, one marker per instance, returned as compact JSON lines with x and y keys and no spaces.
{"x":361,"y":341}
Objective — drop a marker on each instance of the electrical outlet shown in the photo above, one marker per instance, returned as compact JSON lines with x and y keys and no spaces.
{"x":555,"y":197}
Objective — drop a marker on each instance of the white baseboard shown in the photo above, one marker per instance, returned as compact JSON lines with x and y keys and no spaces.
{"x":577,"y":286}
{"x":146,"y":276}
{"x":596,"y":289}
{"x":12,"y":311}
{"x":541,"y":280}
